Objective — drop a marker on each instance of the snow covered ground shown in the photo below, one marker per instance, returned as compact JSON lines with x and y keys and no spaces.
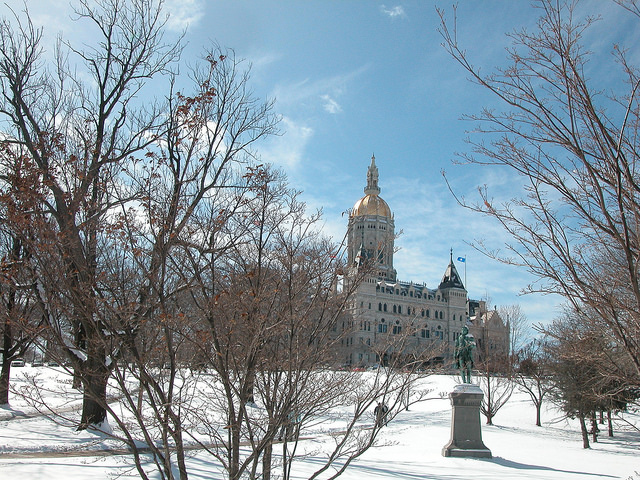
{"x":35,"y":447}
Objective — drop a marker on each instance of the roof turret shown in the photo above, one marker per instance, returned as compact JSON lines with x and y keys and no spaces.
{"x":451,"y":278}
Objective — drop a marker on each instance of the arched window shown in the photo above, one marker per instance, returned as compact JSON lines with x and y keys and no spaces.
{"x":380,"y":307}
{"x":385,"y":307}
{"x":424,"y":333}
{"x":382,"y":327}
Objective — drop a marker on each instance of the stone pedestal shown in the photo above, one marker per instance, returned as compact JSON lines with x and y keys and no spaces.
{"x":466,"y":436}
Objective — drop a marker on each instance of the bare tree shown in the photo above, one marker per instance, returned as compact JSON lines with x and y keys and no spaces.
{"x":516,"y":320}
{"x":77,"y":134}
{"x":575,"y":353}
{"x":574,"y":147}
{"x":494,"y":371}
{"x":20,"y":316}
{"x":250,"y":316}
{"x":587,"y":371}
{"x":176,"y":206}
{"x":532,"y":373}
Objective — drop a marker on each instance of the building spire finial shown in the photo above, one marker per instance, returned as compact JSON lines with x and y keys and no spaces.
{"x":372,"y":178}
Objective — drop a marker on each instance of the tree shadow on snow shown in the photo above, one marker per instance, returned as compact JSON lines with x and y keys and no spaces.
{"x":524,"y":466}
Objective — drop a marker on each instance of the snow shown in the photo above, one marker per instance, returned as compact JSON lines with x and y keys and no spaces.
{"x":34,"y":446}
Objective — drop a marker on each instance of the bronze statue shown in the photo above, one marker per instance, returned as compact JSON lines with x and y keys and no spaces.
{"x":463,"y":354}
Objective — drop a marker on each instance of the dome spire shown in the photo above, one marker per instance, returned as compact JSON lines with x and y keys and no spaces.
{"x":372,"y":178}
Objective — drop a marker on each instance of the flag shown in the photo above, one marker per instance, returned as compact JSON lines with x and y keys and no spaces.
{"x":462,"y":259}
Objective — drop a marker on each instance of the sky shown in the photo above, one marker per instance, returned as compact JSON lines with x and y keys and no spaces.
{"x":352,"y":79}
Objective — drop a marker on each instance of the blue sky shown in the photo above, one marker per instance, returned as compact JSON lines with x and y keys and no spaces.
{"x":356,"y":78}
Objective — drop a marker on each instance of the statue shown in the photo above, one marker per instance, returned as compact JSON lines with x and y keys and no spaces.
{"x":463,"y":354}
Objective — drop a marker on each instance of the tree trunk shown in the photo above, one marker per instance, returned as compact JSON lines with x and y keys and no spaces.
{"x":610,"y":423}
{"x":583,"y":429}
{"x":95,"y":375}
{"x":234,"y":449}
{"x":4,"y":380}
{"x":266,"y":462}
{"x":538,"y":409}
{"x":7,"y":335}
{"x":179,"y":445}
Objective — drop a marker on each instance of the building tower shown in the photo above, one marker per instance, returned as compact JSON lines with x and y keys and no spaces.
{"x":370,"y":234}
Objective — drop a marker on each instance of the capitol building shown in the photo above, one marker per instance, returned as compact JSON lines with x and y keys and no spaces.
{"x":393,"y":317}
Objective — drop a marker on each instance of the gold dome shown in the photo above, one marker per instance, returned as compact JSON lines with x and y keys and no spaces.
{"x":371,"y":204}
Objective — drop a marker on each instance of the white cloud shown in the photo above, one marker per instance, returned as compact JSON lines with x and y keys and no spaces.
{"x":330,"y":105}
{"x":323,"y":93}
{"x":261,"y":60}
{"x":393,"y":12}
{"x":183,"y":13}
{"x":287,"y":150}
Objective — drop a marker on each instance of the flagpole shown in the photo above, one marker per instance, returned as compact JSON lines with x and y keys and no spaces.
{"x":464,"y":260}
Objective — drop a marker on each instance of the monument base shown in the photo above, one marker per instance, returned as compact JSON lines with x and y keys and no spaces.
{"x":466,"y":435}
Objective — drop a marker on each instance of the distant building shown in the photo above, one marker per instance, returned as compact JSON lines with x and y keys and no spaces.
{"x":490,"y":332}
{"x":384,"y":307}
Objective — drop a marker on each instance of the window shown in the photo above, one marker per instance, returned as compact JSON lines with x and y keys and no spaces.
{"x":399,"y":308}
{"x":397,"y":328}
{"x":424,"y":333}
{"x":394,"y":309}
{"x":385,"y":307}
{"x":380,"y":307}
{"x":382,"y":328}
